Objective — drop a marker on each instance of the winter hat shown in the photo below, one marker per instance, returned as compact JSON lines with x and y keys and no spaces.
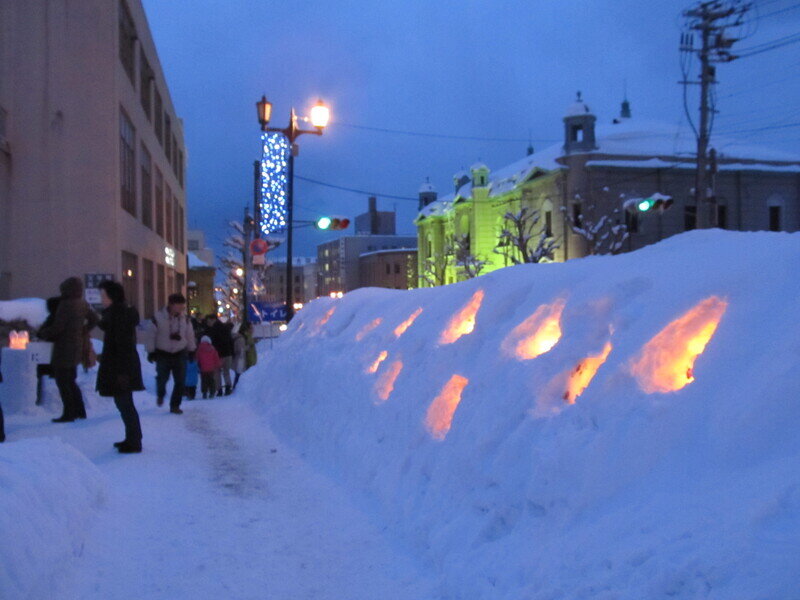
{"x":206,"y":339}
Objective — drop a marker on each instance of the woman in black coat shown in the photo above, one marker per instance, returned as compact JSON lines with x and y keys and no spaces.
{"x":120,"y":372}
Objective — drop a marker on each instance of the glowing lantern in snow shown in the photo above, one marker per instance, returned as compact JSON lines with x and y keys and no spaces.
{"x":373,"y":368}
{"x":581,"y":376}
{"x":385,"y":384}
{"x":463,"y":322}
{"x":367,"y":328}
{"x":326,"y":317}
{"x":666,"y":363}
{"x":18,"y":340}
{"x":441,"y":411}
{"x":537,"y":334}
{"x":401,"y":329}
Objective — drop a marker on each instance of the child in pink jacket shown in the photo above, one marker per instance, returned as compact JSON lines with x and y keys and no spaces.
{"x":209,"y":362}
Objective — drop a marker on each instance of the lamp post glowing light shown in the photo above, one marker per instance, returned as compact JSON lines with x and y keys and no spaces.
{"x":319,"y":117}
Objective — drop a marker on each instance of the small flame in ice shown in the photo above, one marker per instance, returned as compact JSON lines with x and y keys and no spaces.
{"x":666,"y":363}
{"x":441,"y":411}
{"x":463,"y":322}
{"x":385,"y":384}
{"x":537,"y":334}
{"x":582,"y":375}
{"x":367,"y":328}
{"x":401,"y":329}
{"x":373,"y":368}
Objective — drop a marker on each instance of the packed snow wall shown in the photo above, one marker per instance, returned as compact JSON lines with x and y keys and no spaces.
{"x":610,"y":427}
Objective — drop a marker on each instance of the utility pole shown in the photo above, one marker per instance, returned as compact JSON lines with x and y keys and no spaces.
{"x":247,"y":266}
{"x":710,"y":19}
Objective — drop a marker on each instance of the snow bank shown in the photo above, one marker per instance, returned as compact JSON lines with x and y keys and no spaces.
{"x":48,"y":494}
{"x":492,"y":463}
{"x":32,"y":310}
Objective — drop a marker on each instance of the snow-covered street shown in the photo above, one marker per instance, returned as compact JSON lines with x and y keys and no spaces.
{"x":216,"y":507}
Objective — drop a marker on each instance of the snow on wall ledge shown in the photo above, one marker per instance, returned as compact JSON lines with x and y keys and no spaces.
{"x":611,"y":427}
{"x":49,"y":493}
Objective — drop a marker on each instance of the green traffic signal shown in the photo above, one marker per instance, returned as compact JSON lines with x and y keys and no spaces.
{"x":645,"y":205}
{"x":323,"y":223}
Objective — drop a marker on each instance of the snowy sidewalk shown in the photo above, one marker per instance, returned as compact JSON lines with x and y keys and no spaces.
{"x":216,"y":508}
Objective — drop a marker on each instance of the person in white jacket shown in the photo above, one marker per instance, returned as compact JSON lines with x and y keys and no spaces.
{"x":169,"y":342}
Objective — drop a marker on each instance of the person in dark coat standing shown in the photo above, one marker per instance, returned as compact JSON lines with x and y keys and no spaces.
{"x":2,"y":424}
{"x":73,"y":319}
{"x":221,"y":335}
{"x":120,"y":372}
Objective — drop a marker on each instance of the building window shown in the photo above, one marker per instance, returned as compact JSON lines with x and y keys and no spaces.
{"x":168,"y":213}
{"x":722,"y":216}
{"x":127,"y":40}
{"x":127,"y":162}
{"x":170,"y":281}
{"x":147,"y":187}
{"x":159,"y":187}
{"x":548,"y":223}
{"x":161,"y":286}
{"x":194,"y":245}
{"x":168,"y":138}
{"x":689,"y":217}
{"x":147,"y":288}
{"x":180,"y":168}
{"x":774,"y":218}
{"x":145,"y":84}
{"x":174,"y":156}
{"x":396,"y":269}
{"x":180,"y":241}
{"x":388,"y":269}
{"x":158,"y":113}
{"x":130,"y":273}
{"x":576,"y":133}
{"x":180,"y":282}
{"x":176,"y":224}
{"x":576,"y":215}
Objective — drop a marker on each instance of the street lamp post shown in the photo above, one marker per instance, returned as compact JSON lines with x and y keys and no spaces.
{"x":319,"y":117}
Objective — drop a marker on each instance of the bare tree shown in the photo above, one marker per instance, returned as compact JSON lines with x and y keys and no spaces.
{"x":434,"y":268}
{"x":604,"y":235}
{"x":523,"y":240}
{"x":470,"y":264}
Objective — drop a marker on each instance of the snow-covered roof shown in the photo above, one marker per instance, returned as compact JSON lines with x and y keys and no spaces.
{"x":577,"y":109}
{"x":195,"y":262}
{"x":658,"y":144}
{"x":387,"y":251}
{"x":426,"y":187}
{"x":478,"y":166}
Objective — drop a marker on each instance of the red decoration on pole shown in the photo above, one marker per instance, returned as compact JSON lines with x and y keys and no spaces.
{"x":258,"y":247}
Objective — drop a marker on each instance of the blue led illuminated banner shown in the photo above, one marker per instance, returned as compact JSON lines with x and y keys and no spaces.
{"x":274,"y":174}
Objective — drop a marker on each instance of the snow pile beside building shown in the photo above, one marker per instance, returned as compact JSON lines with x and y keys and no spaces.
{"x":32,"y":310}
{"x":49,"y":493}
{"x":610,"y":427}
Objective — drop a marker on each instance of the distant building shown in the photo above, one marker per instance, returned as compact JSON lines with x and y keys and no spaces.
{"x":393,"y":269}
{"x":196,"y":244}
{"x":604,"y":171}
{"x":275,"y":280}
{"x":91,"y":152}
{"x":338,"y":261}
{"x":200,"y":288}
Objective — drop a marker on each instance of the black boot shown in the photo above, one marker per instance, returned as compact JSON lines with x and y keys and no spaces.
{"x":160,"y":401}
{"x":228,"y":390}
{"x":63,"y":419}
{"x":130,"y":447}
{"x":120,"y":444}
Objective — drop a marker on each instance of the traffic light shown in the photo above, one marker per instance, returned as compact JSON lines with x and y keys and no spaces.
{"x":657,"y":201}
{"x":331,"y":223}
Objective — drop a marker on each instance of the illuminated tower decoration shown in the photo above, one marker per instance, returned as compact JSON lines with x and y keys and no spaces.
{"x":274,"y":182}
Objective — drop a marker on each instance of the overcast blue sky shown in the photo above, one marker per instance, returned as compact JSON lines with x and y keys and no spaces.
{"x":497,"y":69}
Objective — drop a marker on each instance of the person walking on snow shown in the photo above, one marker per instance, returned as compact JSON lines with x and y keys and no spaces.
{"x":120,"y":372}
{"x":220,"y":334}
{"x":239,"y":358}
{"x":209,"y":363}
{"x":169,"y":341}
{"x":73,"y":319}
{"x":192,"y":375}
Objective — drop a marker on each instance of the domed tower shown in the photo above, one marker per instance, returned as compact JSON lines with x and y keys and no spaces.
{"x":579,"y":128}
{"x":427,"y":194}
{"x":480,"y":175}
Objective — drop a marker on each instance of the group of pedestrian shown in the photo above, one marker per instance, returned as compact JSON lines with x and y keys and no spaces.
{"x":170,"y":342}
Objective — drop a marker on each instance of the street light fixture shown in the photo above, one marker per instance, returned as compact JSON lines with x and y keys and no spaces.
{"x":320,"y":115}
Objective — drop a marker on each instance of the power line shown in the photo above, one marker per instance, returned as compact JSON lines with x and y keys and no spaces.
{"x":771,"y":45}
{"x":780,"y":11}
{"x":445,"y":136}
{"x":768,"y":128}
{"x":355,"y":191}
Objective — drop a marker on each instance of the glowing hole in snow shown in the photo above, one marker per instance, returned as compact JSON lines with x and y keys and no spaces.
{"x":463,"y":322}
{"x":582,"y":375}
{"x":367,"y":328}
{"x":326,"y":317}
{"x":373,"y":368}
{"x":537,"y":334}
{"x":385,"y":384}
{"x":666,"y":362}
{"x":441,"y":411}
{"x":401,"y":329}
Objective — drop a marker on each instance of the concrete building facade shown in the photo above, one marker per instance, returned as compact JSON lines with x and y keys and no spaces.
{"x":274,"y":280}
{"x":92,"y":155}
{"x":393,"y":269}
{"x":603,"y":171}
